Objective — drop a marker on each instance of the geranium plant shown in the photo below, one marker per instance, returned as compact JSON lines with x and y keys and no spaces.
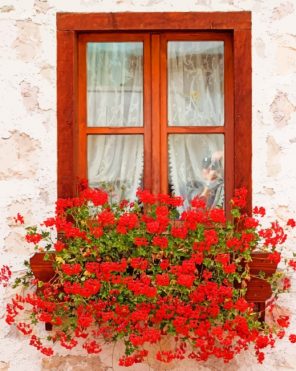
{"x":140,"y":271}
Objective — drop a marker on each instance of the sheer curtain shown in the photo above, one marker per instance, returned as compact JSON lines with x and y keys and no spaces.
{"x":115,"y":99}
{"x":196,"y":98}
{"x":196,"y":167}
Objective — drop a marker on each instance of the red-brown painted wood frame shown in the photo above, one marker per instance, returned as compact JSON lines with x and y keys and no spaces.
{"x":82,"y":121}
{"x":237,"y":24}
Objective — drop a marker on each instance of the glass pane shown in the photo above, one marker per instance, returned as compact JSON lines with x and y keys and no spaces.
{"x":115,"y":162}
{"x":115,"y":84}
{"x":196,"y":167}
{"x":195,"y":83}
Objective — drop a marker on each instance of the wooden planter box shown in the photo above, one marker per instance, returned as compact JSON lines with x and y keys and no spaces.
{"x":258,"y":290}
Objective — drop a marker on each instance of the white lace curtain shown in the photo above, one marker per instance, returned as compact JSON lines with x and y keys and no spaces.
{"x":195,"y":83}
{"x":196,"y":98}
{"x":115,"y":98}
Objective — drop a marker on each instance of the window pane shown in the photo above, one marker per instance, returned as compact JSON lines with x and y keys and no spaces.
{"x":115,"y":84}
{"x":115,"y":162}
{"x":196,"y":167}
{"x":195,"y":83}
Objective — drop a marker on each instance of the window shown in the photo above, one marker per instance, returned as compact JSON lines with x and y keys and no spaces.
{"x":159,"y":100}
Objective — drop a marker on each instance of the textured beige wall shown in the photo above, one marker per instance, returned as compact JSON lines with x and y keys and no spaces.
{"x":28,"y":141}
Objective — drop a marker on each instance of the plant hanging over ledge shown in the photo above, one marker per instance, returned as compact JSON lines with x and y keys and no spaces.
{"x":135,"y":272}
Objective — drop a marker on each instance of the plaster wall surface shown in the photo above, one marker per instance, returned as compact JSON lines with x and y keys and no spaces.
{"x":28,"y":145}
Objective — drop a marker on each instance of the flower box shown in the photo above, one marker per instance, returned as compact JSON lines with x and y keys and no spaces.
{"x":140,"y":272}
{"x":42,"y":269}
{"x":258,"y":290}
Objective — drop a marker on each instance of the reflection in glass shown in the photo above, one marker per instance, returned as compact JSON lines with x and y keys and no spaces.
{"x":195,"y":83}
{"x":196,"y":167}
{"x":115,"y":162}
{"x":115,"y":84}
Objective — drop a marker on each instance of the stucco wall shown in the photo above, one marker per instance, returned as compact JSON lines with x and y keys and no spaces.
{"x":28,"y":141}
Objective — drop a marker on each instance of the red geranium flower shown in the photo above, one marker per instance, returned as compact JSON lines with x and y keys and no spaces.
{"x":186,"y":280}
{"x":71,"y":269}
{"x":162,"y":242}
{"x":179,"y":232}
{"x":240,"y":197}
{"x":291,"y":222}
{"x":259,"y":211}
{"x":19,"y":218}
{"x":59,"y":246}
{"x":274,"y":257}
{"x":106,"y":218}
{"x":283,"y":321}
{"x":33,"y":238}
{"x":162,"y":279}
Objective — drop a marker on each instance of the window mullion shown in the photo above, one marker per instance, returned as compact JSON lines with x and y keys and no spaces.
{"x":229,"y":141}
{"x":155,"y":113}
{"x":163,"y":128}
{"x":80,"y":146}
{"x":148,"y":119}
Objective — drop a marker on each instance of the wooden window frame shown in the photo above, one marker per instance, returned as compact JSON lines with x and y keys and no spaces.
{"x":238,"y":146}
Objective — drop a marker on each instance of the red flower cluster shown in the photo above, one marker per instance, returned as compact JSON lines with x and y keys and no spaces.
{"x":34,"y":238}
{"x":71,"y":269}
{"x":106,"y":218}
{"x":291,"y":223}
{"x":161,"y":242}
{"x":273,"y":236}
{"x":274,"y":257}
{"x":138,"y":272}
{"x":86,"y":289}
{"x":240,"y":198}
{"x":259,"y":211}
{"x":59,"y":246}
{"x":19,"y":219}
{"x":96,"y":196}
